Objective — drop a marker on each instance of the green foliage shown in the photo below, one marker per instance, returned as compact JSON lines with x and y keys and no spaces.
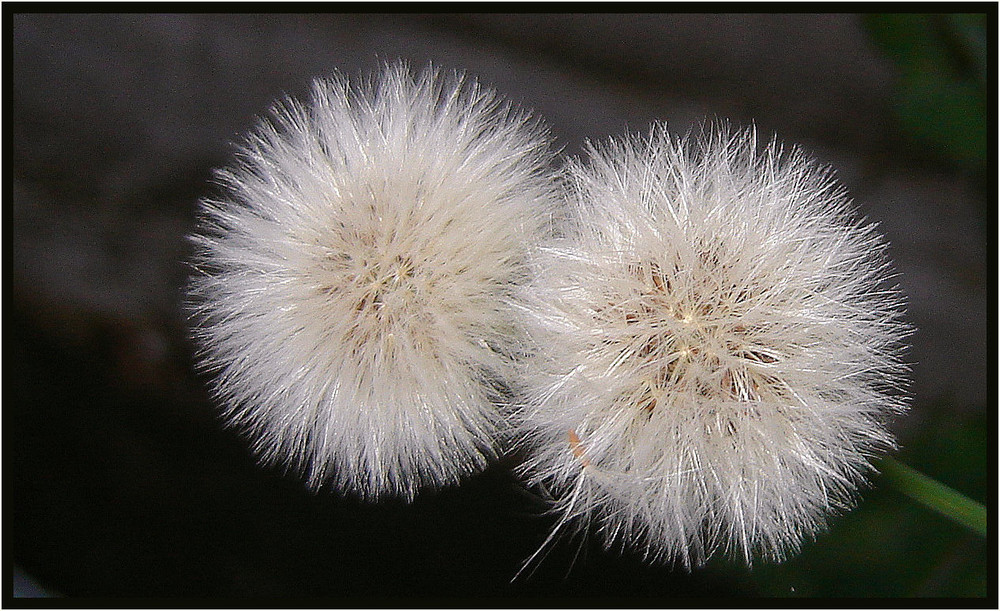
{"x":935,"y":495}
{"x":891,"y":546}
{"x":941,"y":99}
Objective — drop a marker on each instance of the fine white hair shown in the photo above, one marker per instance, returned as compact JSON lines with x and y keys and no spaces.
{"x":352,"y":284}
{"x":715,"y":348}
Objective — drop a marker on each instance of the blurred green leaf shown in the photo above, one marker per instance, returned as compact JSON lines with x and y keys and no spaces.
{"x":905,"y":38}
{"x":891,"y":546}
{"x":946,"y":114}
{"x":945,"y":500}
{"x":941,"y":100}
{"x":888,"y":547}
{"x":970,"y":31}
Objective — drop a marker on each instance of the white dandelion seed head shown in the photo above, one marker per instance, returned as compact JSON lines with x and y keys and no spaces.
{"x":716,"y":349}
{"x":351,"y":286}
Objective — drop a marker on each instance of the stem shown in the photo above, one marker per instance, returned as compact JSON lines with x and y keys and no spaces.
{"x":935,"y":495}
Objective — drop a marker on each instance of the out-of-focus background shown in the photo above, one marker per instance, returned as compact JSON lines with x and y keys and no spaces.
{"x":120,"y":480}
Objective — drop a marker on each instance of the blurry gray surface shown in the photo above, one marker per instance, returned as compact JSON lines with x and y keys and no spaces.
{"x":117,"y":120}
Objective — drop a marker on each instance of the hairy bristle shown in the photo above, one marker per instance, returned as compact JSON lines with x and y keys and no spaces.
{"x":715,"y":335}
{"x":351,"y":284}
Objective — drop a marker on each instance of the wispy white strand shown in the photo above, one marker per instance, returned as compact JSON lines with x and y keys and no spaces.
{"x":352,"y":285}
{"x":716,"y":348}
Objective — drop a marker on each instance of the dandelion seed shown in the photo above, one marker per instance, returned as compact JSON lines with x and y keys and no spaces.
{"x":352,"y":284}
{"x":716,"y":352}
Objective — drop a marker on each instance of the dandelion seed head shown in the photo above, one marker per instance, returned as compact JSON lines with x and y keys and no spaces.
{"x":351,"y":286}
{"x":716,"y":348}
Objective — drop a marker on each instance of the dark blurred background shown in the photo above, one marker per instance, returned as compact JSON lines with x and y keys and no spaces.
{"x":120,"y":480}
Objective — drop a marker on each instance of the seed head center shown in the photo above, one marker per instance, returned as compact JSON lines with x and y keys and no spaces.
{"x":689,"y":346}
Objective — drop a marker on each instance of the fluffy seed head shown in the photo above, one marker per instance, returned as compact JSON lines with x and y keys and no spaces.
{"x":715,"y":348}
{"x":351,"y":284}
